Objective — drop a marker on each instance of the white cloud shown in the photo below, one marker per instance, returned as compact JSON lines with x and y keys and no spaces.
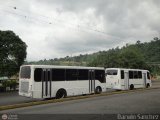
{"x":58,"y":28}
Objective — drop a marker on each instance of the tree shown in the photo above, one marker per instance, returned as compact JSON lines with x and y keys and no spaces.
{"x":106,"y":59}
{"x":13,"y":84}
{"x":5,"y":84}
{"x":127,"y":57}
{"x":131,"y":57}
{"x":12,"y":53}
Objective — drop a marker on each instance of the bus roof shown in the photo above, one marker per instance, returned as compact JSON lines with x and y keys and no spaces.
{"x":124,"y":69}
{"x":58,"y":66}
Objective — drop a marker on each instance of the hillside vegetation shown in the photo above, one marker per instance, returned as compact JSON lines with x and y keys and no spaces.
{"x":139,"y":55}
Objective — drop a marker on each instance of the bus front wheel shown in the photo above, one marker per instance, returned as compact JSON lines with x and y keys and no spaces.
{"x":61,"y":93}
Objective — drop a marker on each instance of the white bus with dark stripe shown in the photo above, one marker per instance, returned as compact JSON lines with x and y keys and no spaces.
{"x":124,"y":79}
{"x":45,"y":81}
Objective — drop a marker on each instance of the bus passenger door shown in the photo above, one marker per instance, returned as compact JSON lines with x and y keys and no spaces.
{"x":144,"y":79}
{"x":126,"y":81}
{"x":91,"y":81}
{"x":46,"y":83}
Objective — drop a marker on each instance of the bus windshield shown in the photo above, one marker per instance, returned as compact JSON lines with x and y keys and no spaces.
{"x":25,"y":72}
{"x":111,"y":72}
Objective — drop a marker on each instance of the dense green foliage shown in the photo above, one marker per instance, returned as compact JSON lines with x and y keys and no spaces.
{"x":12,"y":53}
{"x":80,"y":60}
{"x":139,"y":55}
{"x":126,"y":57}
{"x":12,"y":84}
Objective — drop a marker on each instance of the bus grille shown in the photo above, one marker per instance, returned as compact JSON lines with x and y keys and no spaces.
{"x":24,"y":87}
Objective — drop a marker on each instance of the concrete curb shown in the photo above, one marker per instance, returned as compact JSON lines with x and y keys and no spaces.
{"x":71,"y":98}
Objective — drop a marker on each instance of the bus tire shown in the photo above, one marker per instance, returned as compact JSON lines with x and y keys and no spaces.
{"x":61,"y":93}
{"x":148,"y":85}
{"x":98,"y":90}
{"x":131,"y":87}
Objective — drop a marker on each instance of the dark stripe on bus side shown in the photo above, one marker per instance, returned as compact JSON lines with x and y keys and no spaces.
{"x":46,"y":82}
{"x":89,"y":79}
{"x":42,"y":79}
{"x":50,"y":82}
{"x":94,"y":79}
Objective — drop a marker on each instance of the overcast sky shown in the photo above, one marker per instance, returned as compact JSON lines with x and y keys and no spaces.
{"x":58,"y":28}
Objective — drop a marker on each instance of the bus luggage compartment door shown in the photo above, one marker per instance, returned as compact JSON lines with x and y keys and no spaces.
{"x":91,"y":81}
{"x":46,"y":83}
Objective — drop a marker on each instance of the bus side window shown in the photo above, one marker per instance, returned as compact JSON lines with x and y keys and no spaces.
{"x":148,"y":75}
{"x":82,"y":74}
{"x":130,"y":74}
{"x":37,"y":74}
{"x":122,"y":74}
{"x":140,"y":74}
{"x":71,"y":74}
{"x":58,"y":74}
{"x":100,"y":75}
{"x":135,"y":74}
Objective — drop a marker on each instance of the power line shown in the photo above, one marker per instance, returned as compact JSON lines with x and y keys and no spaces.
{"x":50,"y":20}
{"x":35,"y":17}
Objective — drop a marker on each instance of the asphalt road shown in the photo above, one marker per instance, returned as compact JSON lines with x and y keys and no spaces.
{"x":9,"y":98}
{"x":155,"y":83}
{"x":13,"y":97}
{"x":142,"y":102}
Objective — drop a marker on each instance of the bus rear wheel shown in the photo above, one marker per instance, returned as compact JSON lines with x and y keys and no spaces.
{"x":98,"y":90}
{"x":61,"y":93}
{"x":131,"y":87}
{"x":148,"y":85}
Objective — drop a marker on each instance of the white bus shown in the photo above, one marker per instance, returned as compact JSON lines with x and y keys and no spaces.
{"x":124,"y":79}
{"x":46,"y":81}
